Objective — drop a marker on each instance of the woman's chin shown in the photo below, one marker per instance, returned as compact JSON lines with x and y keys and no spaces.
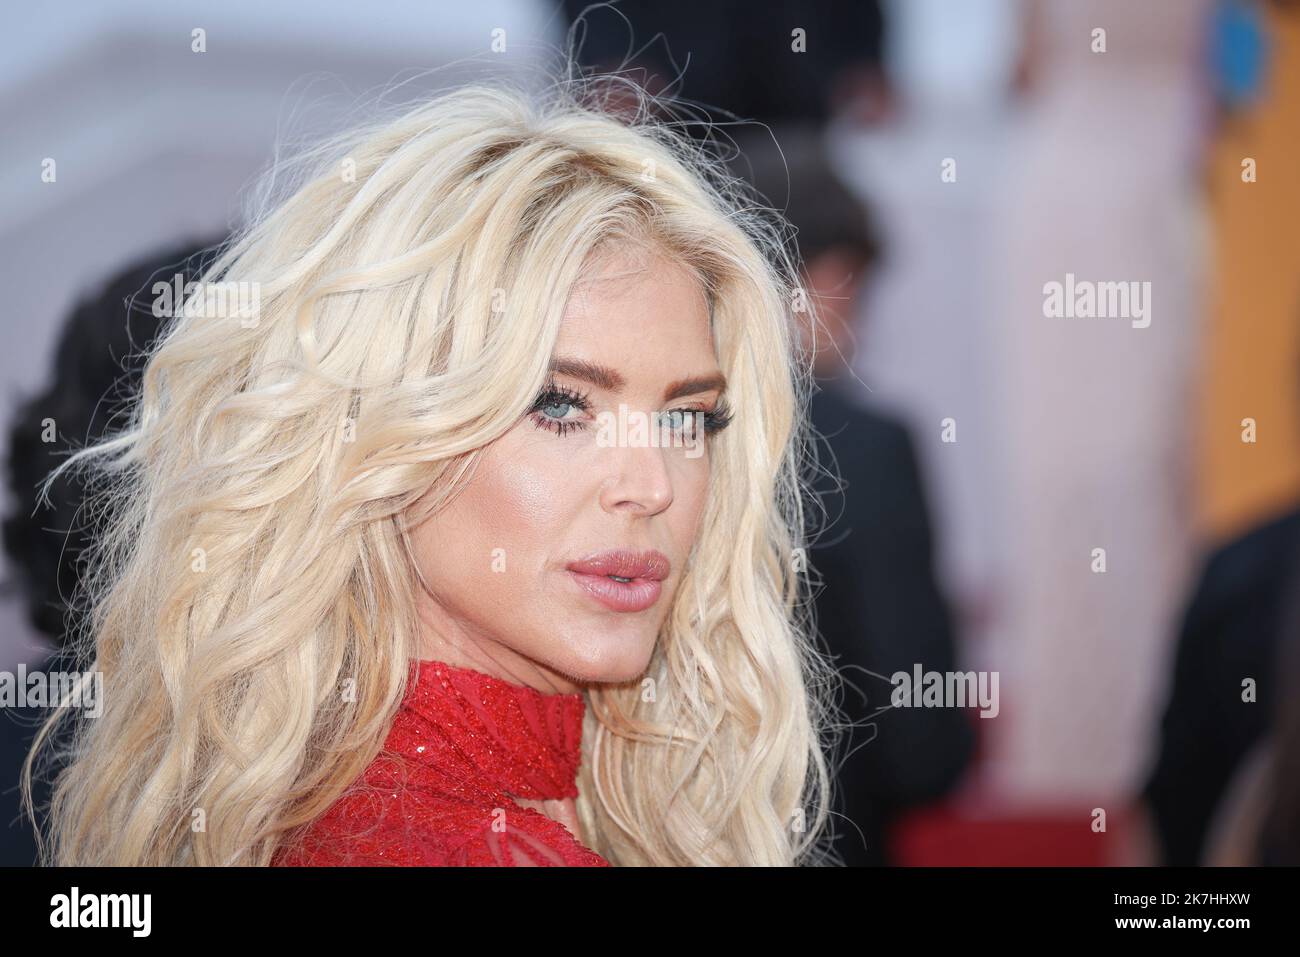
{"x":616,"y":661}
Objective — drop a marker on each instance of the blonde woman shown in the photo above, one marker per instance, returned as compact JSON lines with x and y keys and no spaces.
{"x":398,"y":574}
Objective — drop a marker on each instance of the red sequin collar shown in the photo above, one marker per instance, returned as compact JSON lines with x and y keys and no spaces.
{"x":523,"y":741}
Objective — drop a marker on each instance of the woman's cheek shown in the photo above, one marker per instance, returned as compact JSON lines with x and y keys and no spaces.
{"x":692,"y":492}
{"x":524,"y":490}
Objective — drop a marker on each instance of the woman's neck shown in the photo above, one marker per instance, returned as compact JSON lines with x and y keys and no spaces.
{"x":442,"y":640}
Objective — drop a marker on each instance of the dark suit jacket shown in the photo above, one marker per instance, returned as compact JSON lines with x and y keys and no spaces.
{"x":1231,"y":630}
{"x":880,"y":611}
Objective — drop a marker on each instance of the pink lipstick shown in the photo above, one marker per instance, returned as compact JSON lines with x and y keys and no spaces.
{"x":622,"y":580}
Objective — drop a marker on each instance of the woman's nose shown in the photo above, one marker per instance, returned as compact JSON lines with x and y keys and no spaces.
{"x":639,"y":480}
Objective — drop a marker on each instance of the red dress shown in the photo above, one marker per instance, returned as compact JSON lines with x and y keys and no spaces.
{"x":462,"y":742}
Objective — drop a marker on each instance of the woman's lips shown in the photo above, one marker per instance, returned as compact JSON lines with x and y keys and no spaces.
{"x":635,"y":595}
{"x":622,"y":580}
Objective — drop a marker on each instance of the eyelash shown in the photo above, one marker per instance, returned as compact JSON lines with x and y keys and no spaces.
{"x":715,"y":419}
{"x":555,"y":394}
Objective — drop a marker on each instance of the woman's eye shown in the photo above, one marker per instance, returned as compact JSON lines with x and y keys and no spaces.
{"x":552,"y":410}
{"x":676,"y":419}
{"x":686,"y":421}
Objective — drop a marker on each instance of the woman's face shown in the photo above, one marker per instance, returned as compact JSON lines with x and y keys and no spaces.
{"x":521,"y":563}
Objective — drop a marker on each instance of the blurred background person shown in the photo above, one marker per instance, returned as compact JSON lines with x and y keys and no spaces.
{"x":1234,"y":686}
{"x":1101,"y":182}
{"x":879,"y":609}
{"x":926,"y":171}
{"x":97,"y":361}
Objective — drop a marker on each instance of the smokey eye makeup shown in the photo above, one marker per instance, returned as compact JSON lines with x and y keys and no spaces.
{"x":555,"y":407}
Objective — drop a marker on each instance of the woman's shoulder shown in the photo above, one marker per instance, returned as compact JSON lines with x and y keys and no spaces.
{"x":428,"y":826}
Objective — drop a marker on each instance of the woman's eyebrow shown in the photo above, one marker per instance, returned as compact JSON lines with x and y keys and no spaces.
{"x":695,"y":385}
{"x":598,"y":375}
{"x":612,"y":380}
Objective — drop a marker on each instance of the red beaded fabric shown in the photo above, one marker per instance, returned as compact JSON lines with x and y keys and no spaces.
{"x":461,"y":745}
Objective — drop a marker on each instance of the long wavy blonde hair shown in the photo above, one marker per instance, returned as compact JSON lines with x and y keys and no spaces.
{"x":253,"y":558}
